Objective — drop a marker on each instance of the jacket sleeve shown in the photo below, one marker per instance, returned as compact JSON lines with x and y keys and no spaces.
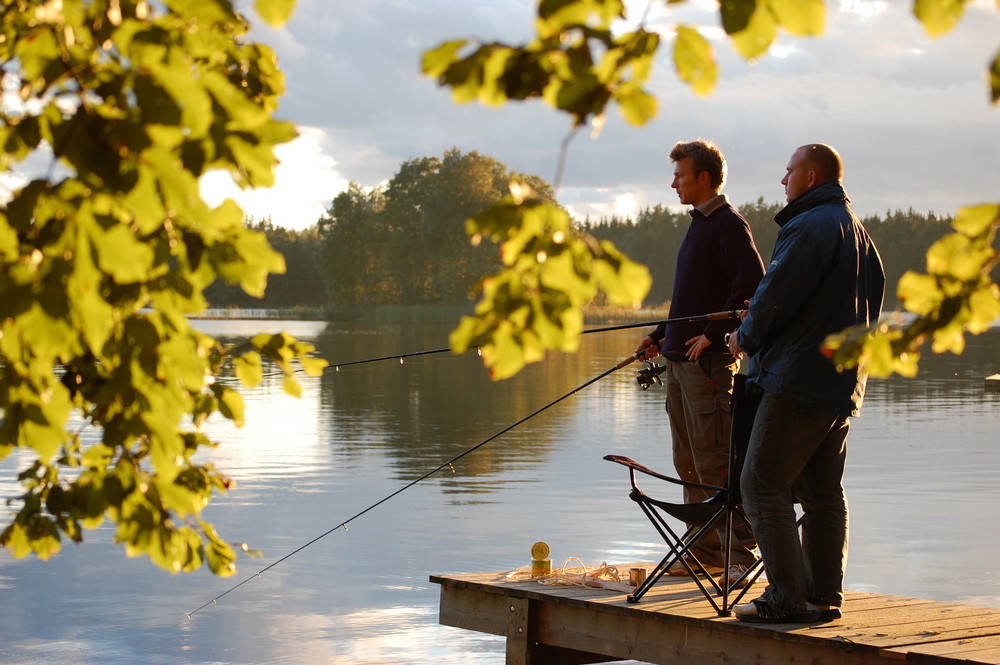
{"x":796,"y":268}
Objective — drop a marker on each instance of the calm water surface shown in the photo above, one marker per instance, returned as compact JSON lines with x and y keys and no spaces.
{"x":924,"y":459}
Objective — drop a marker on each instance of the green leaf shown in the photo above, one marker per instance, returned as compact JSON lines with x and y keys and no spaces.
{"x":919,"y":293}
{"x":436,"y":61}
{"x":123,"y":256}
{"x":98,"y":456}
{"x":984,"y":308}
{"x":9,"y":244}
{"x":637,"y":106}
{"x":950,"y":255}
{"x":938,"y":16}
{"x":248,"y":369}
{"x":694,"y":59}
{"x":190,"y":96}
{"x":493,"y":91}
{"x":625,"y":281}
{"x":313,"y":366}
{"x":975,"y":221}
{"x":555,"y":16}
{"x":51,"y":335}
{"x":230,"y":404}
{"x":275,"y":12}
{"x":32,"y":533}
{"x":220,"y":556}
{"x":799,"y":17}
{"x":995,"y":79}
{"x":183,"y":499}
{"x":736,"y":14}
{"x":760,"y":32}
{"x":291,"y":386}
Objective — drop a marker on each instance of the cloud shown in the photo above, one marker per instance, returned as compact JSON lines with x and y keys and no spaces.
{"x":908,"y":113}
{"x":305,"y":183}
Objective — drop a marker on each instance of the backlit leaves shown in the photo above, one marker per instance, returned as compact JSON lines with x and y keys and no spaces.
{"x":551,"y":270}
{"x":938,"y":16}
{"x":753,"y":24}
{"x":955,"y":296}
{"x":995,"y":79}
{"x":104,"y":258}
{"x":695,"y":60}
{"x":577,"y":65}
{"x":275,"y":12}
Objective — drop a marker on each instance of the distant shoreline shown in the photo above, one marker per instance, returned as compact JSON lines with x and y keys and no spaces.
{"x":423,"y":313}
{"x":434,"y":313}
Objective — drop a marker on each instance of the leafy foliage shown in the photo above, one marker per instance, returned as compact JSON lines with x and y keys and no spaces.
{"x":957,"y":294}
{"x":103,"y":258}
{"x":551,"y":272}
{"x":577,"y":65}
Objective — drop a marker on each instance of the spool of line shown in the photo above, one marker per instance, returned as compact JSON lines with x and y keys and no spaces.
{"x":541,"y":567}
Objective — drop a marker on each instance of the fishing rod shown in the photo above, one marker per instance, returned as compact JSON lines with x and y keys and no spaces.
{"x":714,"y":316}
{"x":449,"y":463}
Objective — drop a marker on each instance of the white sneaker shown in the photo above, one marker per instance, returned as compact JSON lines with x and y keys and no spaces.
{"x":679,"y":569}
{"x":733,"y":578}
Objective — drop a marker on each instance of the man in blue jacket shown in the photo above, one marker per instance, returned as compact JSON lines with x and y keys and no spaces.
{"x":825,"y":275}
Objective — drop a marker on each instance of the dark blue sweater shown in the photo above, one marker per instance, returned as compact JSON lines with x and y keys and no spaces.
{"x":718,"y":268}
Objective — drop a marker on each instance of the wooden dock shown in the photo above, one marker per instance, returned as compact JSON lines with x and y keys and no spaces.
{"x":673,"y":624}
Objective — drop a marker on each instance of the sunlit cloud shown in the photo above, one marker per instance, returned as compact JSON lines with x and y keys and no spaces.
{"x":863,"y":8}
{"x":625,"y":205}
{"x":782,"y":51}
{"x":305,"y":182}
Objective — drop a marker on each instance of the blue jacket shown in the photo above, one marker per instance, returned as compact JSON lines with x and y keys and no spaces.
{"x":825,"y":275}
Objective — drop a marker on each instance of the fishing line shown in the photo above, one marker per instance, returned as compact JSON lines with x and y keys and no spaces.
{"x":731,"y":314}
{"x":449,"y":464}
{"x":410,"y":484}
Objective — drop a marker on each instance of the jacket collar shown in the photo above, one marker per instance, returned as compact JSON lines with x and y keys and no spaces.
{"x":828,"y":192}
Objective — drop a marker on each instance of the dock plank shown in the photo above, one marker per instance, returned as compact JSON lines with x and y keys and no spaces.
{"x":674,"y":624}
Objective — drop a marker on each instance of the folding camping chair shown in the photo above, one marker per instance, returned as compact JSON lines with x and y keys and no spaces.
{"x":723,"y":507}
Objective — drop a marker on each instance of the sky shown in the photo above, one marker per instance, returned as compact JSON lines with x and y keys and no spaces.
{"x":909,"y":114}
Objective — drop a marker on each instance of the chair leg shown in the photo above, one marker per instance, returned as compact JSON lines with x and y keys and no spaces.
{"x":679,"y":552}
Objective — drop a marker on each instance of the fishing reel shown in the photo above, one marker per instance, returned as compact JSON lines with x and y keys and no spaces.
{"x":649,"y":374}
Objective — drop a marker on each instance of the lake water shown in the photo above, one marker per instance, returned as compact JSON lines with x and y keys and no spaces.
{"x":922,"y":483}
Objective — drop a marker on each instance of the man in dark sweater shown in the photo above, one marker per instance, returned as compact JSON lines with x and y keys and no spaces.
{"x":718,"y":268}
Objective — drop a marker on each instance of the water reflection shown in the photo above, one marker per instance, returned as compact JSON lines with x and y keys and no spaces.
{"x":921,"y":481}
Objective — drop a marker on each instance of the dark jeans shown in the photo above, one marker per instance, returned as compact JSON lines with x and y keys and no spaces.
{"x":798,"y":455}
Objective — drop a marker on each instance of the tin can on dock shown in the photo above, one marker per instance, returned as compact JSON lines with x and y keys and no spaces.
{"x":541,"y":567}
{"x":636,"y":576}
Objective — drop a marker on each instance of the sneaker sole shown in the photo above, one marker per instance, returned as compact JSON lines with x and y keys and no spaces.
{"x":802,"y":617}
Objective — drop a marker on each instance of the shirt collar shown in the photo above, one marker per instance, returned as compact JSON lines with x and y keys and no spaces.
{"x":711,"y":205}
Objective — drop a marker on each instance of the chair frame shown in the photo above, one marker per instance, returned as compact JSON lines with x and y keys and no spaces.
{"x":725,"y":504}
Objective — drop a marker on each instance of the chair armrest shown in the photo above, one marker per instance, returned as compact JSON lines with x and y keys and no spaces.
{"x":632,"y":464}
